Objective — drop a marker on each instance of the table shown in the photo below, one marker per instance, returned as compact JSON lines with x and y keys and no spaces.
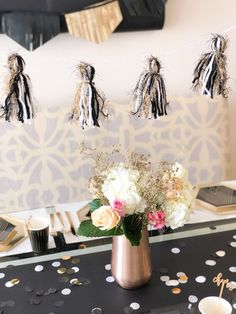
{"x":42,"y":292}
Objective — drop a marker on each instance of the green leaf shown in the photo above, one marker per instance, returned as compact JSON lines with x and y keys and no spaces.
{"x":95,"y":204}
{"x":132,"y":226}
{"x":87,"y":229}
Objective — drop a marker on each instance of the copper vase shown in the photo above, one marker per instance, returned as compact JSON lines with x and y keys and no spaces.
{"x":131,"y":265}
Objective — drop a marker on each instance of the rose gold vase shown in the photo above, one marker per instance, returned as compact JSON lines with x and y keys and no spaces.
{"x":131,"y":265}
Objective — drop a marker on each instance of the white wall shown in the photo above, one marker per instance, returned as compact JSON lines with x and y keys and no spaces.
{"x":119,"y":61}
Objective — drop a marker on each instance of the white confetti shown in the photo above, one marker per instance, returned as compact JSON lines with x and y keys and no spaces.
{"x":234,"y":305}
{"x":182,"y":281}
{"x":232,"y":284}
{"x":232,"y":269}
{"x":175,"y":250}
{"x":134,"y":306}
{"x":2,"y":275}
{"x":180,"y":273}
{"x":165,"y":278}
{"x":210,"y":262}
{"x":233,"y":244}
{"x":66,"y":291}
{"x":56,"y":264}
{"x":220,"y":253}
{"x":234,"y":237}
{"x":76,"y":269}
{"x":172,"y":283}
{"x":108,"y":266}
{"x":8,"y":284}
{"x":110,"y":279}
{"x":200,"y":279}
{"x":38,"y":268}
{"x":192,"y":299}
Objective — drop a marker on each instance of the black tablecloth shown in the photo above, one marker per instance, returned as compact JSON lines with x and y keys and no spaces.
{"x":96,"y":292}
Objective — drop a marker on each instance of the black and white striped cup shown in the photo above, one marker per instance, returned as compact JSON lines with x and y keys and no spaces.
{"x":38,"y":231}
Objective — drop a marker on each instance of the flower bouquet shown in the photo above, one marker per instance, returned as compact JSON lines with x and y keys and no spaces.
{"x":130,"y":194}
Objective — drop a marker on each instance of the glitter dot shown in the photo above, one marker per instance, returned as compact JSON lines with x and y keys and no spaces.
{"x":56,"y":264}
{"x":175,"y":250}
{"x":108,"y":266}
{"x":9,"y":284}
{"x":165,"y":278}
{"x":233,"y":244}
{"x":66,"y":291}
{"x":110,"y":279}
{"x":38,"y":268}
{"x":176,"y":290}
{"x":192,"y":299}
{"x":96,"y":310}
{"x":210,"y":262}
{"x":172,"y":283}
{"x":134,"y":305}
{"x":220,"y":253}
{"x":76,"y":269}
{"x":200,"y":279}
{"x":180,"y":274}
{"x":232,"y":269}
{"x":2,"y":275}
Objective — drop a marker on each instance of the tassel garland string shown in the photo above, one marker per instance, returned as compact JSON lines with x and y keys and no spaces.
{"x":210,"y":75}
{"x":89,"y":104}
{"x":18,"y":103}
{"x":149,"y":97}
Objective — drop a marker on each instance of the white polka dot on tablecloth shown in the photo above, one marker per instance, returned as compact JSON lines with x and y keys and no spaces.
{"x":110,"y":279}
{"x":200,"y":279}
{"x":172,"y":283}
{"x":108,"y":266}
{"x":134,"y":306}
{"x":165,"y":278}
{"x":66,"y":291}
{"x":38,"y":268}
{"x":9,"y":284}
{"x":56,"y":264}
{"x":192,"y":299}
{"x":175,"y":250}
{"x":210,"y":262}
{"x":2,"y":275}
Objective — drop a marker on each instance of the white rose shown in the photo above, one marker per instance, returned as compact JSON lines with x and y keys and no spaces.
{"x":121,"y":183}
{"x":176,"y":214}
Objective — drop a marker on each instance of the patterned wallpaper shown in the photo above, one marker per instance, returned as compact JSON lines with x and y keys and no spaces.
{"x":40,"y":163}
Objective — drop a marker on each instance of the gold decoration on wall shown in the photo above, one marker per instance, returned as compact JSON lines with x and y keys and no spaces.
{"x":96,"y":23}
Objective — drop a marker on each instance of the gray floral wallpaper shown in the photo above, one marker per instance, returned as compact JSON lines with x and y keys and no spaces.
{"x":40,"y":163}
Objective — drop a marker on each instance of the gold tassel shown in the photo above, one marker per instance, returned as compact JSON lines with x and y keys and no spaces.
{"x":96,"y":23}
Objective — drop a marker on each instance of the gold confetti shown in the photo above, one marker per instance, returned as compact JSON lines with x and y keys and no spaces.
{"x":183,"y":278}
{"x":70,"y":271}
{"x":61,"y":270}
{"x":75,"y":282}
{"x":82,"y":246}
{"x":176,"y":290}
{"x":66,"y":258}
{"x":15,"y":281}
{"x":75,"y":260}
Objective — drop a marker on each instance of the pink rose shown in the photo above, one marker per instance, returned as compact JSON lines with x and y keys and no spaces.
{"x":157,"y":219}
{"x":118,"y":206}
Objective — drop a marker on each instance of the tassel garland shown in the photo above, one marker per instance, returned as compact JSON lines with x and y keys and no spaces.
{"x":210,"y":74}
{"x":149,"y":98}
{"x":89,"y":104}
{"x":18,"y":104}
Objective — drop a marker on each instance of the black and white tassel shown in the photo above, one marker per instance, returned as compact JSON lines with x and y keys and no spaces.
{"x":89,"y":103}
{"x":18,"y":103}
{"x":149,"y":97}
{"x":210,"y":75}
